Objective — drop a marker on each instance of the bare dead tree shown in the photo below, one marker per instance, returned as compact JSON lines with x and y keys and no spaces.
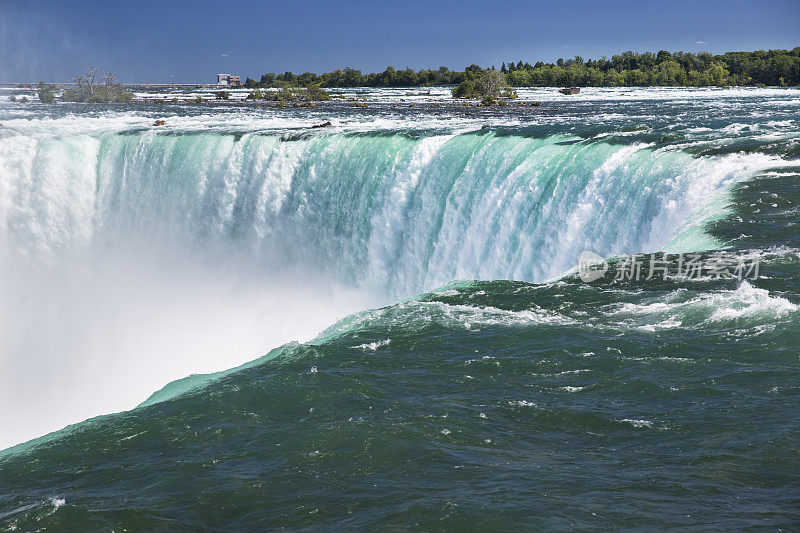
{"x":492,"y":82}
{"x":110,"y":79}
{"x":87,"y":80}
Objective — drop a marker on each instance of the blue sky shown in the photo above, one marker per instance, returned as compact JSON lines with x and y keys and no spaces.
{"x":191,"y":41}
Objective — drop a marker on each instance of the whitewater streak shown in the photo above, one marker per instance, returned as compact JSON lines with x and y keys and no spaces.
{"x":393,"y":212}
{"x":130,"y":259}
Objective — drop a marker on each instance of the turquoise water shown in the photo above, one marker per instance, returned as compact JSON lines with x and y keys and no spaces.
{"x":492,"y":388}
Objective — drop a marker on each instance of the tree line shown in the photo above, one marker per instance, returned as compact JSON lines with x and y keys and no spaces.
{"x":759,"y":68}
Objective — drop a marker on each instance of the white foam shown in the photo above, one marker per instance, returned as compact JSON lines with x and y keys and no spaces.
{"x":57,"y":502}
{"x":747,"y":306}
{"x":373,"y":346}
{"x":637,"y":423}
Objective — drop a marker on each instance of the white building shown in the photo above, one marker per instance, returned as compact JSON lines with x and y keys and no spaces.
{"x":229,"y":79}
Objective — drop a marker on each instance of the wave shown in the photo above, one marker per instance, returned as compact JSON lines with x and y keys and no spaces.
{"x":552,"y":312}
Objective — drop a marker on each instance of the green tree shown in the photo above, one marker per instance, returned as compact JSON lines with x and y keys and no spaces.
{"x":316,"y":93}
{"x":466,"y":89}
{"x":45,"y":93}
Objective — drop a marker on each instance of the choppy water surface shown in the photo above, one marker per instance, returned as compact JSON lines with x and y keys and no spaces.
{"x":470,"y":377}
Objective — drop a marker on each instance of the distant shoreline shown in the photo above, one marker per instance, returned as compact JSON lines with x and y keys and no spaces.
{"x":759,"y":68}
{"x":214,"y":87}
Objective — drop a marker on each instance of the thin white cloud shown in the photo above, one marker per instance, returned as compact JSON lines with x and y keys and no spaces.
{"x":700,"y":42}
{"x":224,"y":55}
